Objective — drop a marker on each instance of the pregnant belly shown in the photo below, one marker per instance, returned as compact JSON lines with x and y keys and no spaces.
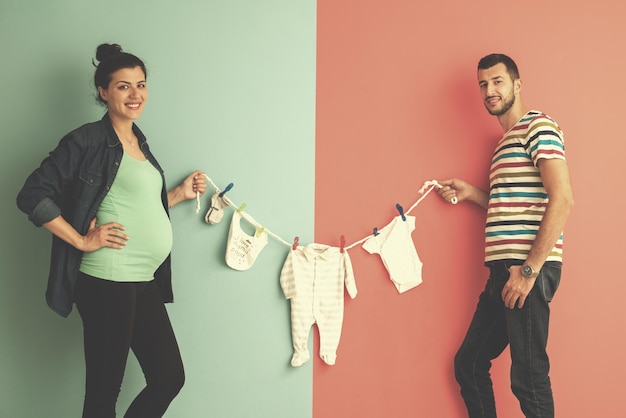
{"x":149,"y":244}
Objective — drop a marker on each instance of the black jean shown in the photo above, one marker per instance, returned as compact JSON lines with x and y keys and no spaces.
{"x":493,"y":327}
{"x":118,"y":317}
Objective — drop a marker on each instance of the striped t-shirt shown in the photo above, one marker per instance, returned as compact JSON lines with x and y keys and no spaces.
{"x":517,"y":198}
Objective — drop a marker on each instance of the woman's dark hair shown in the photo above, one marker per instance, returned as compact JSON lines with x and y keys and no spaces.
{"x":493,"y":59}
{"x":111,"y":58}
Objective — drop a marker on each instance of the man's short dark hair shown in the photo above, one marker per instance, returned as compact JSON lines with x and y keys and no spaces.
{"x":494,"y":59}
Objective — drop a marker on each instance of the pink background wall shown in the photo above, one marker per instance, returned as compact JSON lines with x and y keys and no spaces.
{"x":398,"y":104}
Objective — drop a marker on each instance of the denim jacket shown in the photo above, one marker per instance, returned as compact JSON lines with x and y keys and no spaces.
{"x":72,"y":181}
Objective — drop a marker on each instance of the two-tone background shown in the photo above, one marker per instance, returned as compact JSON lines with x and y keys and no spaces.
{"x":324,"y":115}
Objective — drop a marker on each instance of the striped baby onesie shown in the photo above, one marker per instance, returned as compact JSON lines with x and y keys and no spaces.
{"x":313,"y":278}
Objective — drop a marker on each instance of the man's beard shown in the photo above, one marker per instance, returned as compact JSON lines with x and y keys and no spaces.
{"x":507,"y":103}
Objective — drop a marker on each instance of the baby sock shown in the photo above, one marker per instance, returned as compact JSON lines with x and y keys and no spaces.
{"x":216,"y":211}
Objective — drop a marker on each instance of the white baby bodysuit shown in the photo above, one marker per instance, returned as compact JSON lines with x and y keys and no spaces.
{"x":313,"y":278}
{"x":242,"y":249}
{"x":397,"y":250}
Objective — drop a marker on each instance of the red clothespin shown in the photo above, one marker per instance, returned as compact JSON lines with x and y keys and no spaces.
{"x":343,"y":244}
{"x":296,"y":241}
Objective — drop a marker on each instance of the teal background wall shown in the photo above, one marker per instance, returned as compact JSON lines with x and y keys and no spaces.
{"x":232,"y":92}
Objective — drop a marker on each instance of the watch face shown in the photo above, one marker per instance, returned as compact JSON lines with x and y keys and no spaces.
{"x":527,"y":270}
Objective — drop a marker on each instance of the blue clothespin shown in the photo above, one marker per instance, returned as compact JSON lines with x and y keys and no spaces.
{"x":401,"y":211}
{"x":376,"y":233}
{"x":230,"y":186}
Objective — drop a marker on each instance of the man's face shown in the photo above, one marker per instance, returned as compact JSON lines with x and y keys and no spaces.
{"x":497,"y":88}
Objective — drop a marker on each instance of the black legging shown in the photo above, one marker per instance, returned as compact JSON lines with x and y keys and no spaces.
{"x":118,"y":316}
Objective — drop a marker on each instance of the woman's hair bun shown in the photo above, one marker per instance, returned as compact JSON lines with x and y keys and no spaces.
{"x":107,"y":50}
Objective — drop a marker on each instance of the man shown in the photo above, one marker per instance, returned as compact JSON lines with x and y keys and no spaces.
{"x":529,"y":201}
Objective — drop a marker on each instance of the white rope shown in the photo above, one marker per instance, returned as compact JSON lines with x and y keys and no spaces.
{"x":430,"y":185}
{"x":250,"y":219}
{"x":244,"y":215}
{"x":217,"y":189}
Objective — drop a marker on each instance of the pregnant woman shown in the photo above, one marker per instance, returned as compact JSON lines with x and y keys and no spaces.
{"x":102,"y":194}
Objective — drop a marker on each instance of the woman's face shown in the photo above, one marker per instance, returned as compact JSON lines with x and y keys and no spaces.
{"x":126,"y":94}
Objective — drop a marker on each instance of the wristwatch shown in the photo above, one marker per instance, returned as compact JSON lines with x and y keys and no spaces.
{"x":528,"y":272}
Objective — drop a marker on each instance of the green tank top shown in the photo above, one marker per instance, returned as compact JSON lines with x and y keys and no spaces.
{"x":134,"y":201}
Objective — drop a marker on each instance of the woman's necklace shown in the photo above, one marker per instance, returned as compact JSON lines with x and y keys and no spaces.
{"x":129,"y":138}
{"x":130,"y":141}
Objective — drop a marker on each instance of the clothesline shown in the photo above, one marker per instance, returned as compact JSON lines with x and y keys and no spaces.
{"x":245,"y":215}
{"x":428,"y":187}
